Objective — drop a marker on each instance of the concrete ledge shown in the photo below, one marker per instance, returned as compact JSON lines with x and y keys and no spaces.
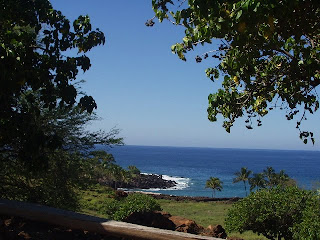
{"x":89,"y":223}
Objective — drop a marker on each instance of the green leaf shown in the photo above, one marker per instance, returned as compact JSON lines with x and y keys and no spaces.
{"x":245,"y":6}
{"x":239,"y":14}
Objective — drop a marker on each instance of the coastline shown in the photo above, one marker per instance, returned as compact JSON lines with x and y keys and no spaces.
{"x":186,"y":198}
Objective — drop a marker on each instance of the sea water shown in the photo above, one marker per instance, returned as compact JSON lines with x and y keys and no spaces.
{"x":191,"y":167}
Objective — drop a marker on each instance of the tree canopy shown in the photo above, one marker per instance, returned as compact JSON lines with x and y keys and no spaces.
{"x":45,"y":147}
{"x":34,"y":38}
{"x":51,"y":174}
{"x":37,"y":72}
{"x":269,"y":55}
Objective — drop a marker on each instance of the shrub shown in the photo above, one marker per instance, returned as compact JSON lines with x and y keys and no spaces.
{"x":110,"y":207}
{"x":309,"y":227}
{"x":136,"y":203}
{"x":277,"y":213}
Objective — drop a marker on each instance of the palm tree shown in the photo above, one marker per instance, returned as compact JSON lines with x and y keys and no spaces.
{"x":215,"y":184}
{"x":281,"y":179}
{"x":257,"y":181}
{"x":270,"y":174}
{"x":243,"y":175}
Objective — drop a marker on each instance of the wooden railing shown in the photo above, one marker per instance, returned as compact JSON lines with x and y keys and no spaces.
{"x":74,"y":220}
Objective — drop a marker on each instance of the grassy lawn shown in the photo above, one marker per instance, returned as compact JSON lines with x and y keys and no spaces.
{"x":93,"y":201}
{"x":204,"y":214}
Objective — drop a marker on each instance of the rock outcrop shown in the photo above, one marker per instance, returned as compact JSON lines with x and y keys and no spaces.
{"x":215,"y":231}
{"x":165,"y":220}
{"x":196,"y":199}
{"x":186,"y":225}
{"x":144,"y":181}
{"x":151,"y":219}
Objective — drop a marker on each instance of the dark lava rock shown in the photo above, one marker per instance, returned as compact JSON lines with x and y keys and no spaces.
{"x":186,"y":225}
{"x":151,"y":219}
{"x":144,"y":181}
{"x":196,"y":199}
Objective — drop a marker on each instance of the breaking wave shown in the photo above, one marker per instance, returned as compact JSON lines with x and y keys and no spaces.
{"x":182,"y":183}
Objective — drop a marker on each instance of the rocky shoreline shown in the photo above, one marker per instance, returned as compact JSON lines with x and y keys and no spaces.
{"x":147,"y":181}
{"x":187,"y":198}
{"x":140,"y":181}
{"x":195,"y":199}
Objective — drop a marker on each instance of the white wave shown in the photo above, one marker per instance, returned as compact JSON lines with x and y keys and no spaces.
{"x":182,"y":183}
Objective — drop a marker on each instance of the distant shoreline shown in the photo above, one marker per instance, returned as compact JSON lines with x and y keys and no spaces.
{"x":187,"y":198}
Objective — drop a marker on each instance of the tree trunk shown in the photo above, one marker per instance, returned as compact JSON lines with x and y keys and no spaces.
{"x":245,"y":187}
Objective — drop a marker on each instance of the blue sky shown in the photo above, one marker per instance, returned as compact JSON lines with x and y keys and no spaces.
{"x":153,"y":96}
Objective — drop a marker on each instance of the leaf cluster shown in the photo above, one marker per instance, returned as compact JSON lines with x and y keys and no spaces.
{"x":33,"y":40}
{"x":36,"y":75}
{"x":268,"y":54}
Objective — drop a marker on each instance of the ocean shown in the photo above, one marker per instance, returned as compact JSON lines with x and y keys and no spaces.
{"x":190,"y":167}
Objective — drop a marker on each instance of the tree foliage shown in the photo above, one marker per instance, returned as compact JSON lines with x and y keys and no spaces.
{"x":45,"y":147}
{"x":52,"y":175}
{"x":33,"y":40}
{"x":269,"y":178}
{"x":269,"y":54}
{"x":35,"y":68}
{"x":277,"y":213}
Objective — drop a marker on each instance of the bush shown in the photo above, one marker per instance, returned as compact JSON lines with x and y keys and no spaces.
{"x":309,"y":227}
{"x":277,"y":213}
{"x":136,"y":203}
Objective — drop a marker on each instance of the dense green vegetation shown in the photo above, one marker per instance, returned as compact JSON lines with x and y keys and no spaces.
{"x":277,"y":213}
{"x":268,"y":52}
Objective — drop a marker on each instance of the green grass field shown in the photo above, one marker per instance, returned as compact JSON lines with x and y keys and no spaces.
{"x":93,"y":201}
{"x":204,"y":214}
